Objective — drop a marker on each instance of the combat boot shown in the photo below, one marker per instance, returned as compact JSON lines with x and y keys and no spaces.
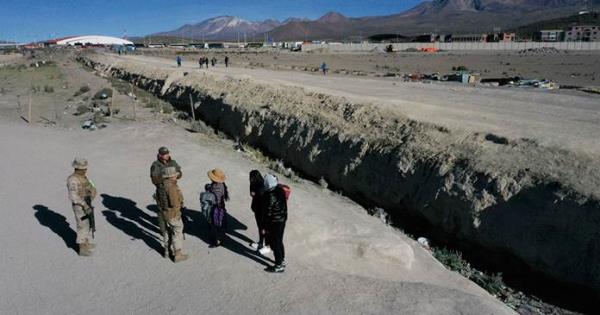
{"x":179,"y":256}
{"x":84,"y":250}
{"x":90,"y":245}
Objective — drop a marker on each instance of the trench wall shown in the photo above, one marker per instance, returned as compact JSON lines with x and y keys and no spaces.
{"x":550,"y":226}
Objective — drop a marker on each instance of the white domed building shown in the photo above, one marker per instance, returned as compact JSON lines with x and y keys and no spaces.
{"x":90,"y":40}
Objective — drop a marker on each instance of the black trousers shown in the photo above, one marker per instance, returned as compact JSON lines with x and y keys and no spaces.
{"x":275,"y":235}
{"x":261,"y":227}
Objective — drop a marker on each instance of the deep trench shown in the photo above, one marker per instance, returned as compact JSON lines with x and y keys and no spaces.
{"x":516,"y":273}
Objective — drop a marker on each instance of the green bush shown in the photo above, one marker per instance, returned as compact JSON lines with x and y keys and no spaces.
{"x":167,"y":108}
{"x":82,"y":90}
{"x":454,"y":261}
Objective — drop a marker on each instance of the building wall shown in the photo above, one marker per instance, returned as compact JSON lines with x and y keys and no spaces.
{"x":550,"y":36}
{"x":514,"y":46}
{"x":583,"y":33}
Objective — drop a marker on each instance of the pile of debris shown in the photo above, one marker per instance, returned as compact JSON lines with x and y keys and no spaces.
{"x":475,"y":78}
{"x":462,"y":77}
{"x":541,"y":51}
{"x":97,"y":111}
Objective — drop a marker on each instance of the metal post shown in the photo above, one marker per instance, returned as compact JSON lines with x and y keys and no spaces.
{"x":192,"y":107}
{"x":29,"y":111}
{"x":112,"y":101}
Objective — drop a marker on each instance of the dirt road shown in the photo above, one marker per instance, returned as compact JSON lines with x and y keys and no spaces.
{"x":550,"y":118}
{"x":340,"y":259}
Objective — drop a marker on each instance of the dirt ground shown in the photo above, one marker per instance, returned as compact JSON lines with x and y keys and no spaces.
{"x":551,"y":118}
{"x":565,"y":68}
{"x":340,"y":260}
{"x":61,"y":93}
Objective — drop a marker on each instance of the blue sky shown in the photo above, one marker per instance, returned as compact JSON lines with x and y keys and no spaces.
{"x":28,"y":20}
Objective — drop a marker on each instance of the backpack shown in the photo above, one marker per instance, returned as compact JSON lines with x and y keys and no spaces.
{"x":208,"y":202}
{"x":287,"y":190}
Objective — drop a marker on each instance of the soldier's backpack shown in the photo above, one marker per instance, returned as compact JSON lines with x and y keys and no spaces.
{"x":208,"y":201}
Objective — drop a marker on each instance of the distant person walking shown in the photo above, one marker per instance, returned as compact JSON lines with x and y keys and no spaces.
{"x":324,"y":68}
{"x":218,"y":215}
{"x":256,"y":190}
{"x":201,"y":62}
{"x":178,"y":59}
{"x":275,"y":206}
{"x":213,"y":61}
{"x":170,"y":200}
{"x":81,"y":193}
{"x":226,"y":61}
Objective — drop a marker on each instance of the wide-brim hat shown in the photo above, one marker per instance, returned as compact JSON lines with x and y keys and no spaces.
{"x":217,"y":176}
{"x":80,"y":164}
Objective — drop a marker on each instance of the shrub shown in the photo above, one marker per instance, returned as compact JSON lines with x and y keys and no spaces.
{"x":48,"y":89}
{"x":167,"y":108}
{"x":82,"y":90}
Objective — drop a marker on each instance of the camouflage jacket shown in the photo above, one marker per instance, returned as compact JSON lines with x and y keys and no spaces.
{"x":169,"y":199}
{"x":80,"y":188}
{"x":158,"y":166}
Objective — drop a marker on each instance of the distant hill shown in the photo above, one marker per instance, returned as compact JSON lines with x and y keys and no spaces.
{"x":441,"y":16}
{"x":438,"y":16}
{"x":223,"y":28}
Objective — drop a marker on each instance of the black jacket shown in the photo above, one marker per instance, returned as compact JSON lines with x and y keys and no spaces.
{"x":256,"y":192}
{"x":275,"y":205}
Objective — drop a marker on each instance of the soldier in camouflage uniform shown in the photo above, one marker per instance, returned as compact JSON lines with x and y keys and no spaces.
{"x":81,"y":193}
{"x":170,"y":201}
{"x":163,"y":160}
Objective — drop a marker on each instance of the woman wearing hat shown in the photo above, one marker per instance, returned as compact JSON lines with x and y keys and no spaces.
{"x":219,"y":212}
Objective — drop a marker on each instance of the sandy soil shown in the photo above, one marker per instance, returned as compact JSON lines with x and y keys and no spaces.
{"x":53,"y":91}
{"x":358,"y":265}
{"x":552,"y":119}
{"x":9,"y":59}
{"x":566,"y":68}
{"x":340,"y":259}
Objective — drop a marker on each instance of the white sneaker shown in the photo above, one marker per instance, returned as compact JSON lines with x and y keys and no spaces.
{"x":254,"y":245}
{"x":265,"y":250}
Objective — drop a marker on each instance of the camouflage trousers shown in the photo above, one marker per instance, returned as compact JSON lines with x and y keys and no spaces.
{"x":172,"y":234}
{"x":84,"y":233}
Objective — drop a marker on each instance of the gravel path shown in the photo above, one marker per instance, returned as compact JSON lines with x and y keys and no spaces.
{"x":341,"y":260}
{"x":548,"y":117}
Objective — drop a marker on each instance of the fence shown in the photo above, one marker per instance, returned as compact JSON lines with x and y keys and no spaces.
{"x":455,"y":46}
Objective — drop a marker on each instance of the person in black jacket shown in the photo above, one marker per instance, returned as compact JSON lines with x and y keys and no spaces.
{"x":257,"y":184}
{"x":275,"y":207}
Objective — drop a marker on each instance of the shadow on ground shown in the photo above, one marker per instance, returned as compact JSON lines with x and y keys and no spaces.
{"x":58,"y":224}
{"x":196,"y":225}
{"x":124,"y":214}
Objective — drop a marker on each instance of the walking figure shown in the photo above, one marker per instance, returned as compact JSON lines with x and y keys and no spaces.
{"x":81,"y":193}
{"x":324,"y":68}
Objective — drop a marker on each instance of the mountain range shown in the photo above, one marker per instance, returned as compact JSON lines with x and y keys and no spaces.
{"x":440,"y":16}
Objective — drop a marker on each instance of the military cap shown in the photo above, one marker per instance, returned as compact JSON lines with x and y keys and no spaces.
{"x":80,"y":164}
